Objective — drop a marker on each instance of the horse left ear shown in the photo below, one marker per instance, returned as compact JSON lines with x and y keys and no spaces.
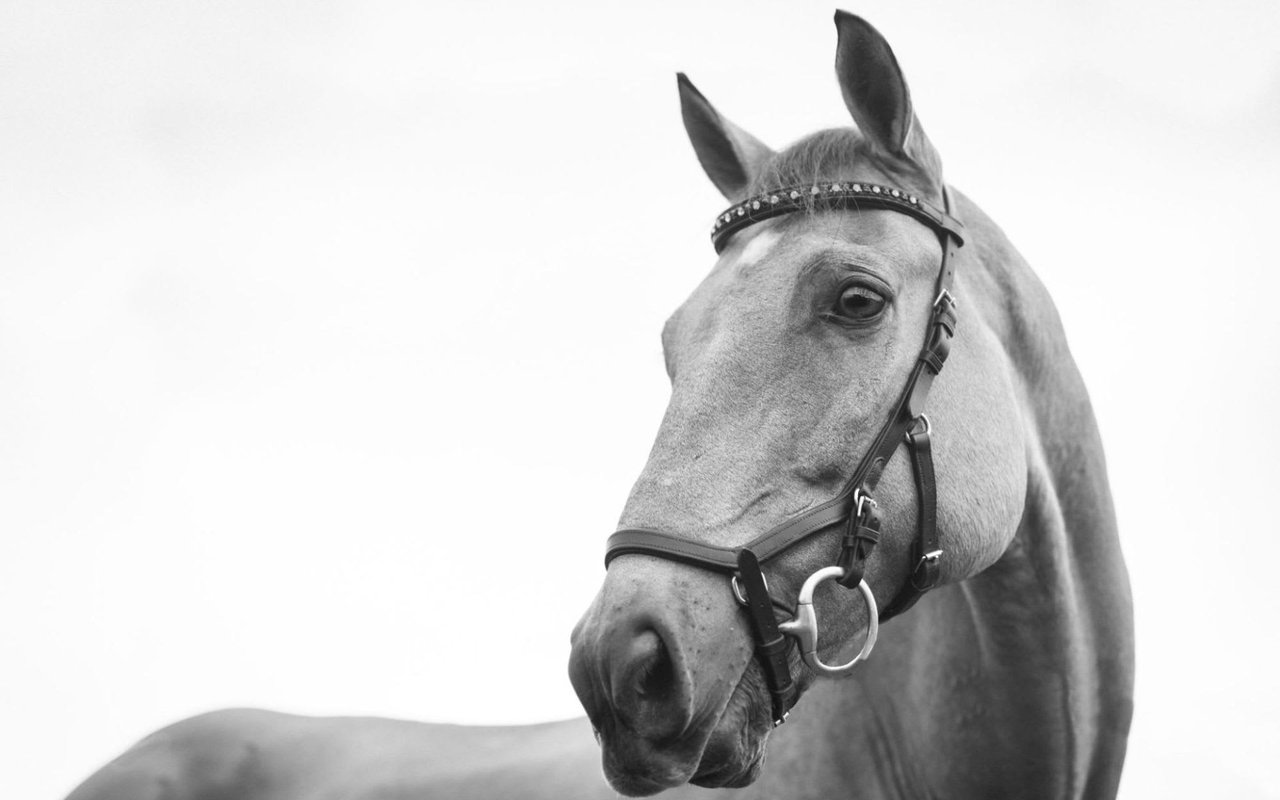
{"x":731,"y":157}
{"x":877,"y":96}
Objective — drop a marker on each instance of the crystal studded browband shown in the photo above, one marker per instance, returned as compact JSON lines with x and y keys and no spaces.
{"x":841,"y":195}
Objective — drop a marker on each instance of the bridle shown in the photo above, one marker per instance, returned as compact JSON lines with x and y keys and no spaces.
{"x":854,"y":507}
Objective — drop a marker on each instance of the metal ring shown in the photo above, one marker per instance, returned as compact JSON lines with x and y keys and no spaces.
{"x":805,"y":625}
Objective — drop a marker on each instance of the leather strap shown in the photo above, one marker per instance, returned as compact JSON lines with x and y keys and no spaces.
{"x":862,"y":520}
{"x":773,"y":651}
{"x":860,"y":538}
{"x":925,"y":552}
{"x":850,"y":196}
{"x":675,"y":548}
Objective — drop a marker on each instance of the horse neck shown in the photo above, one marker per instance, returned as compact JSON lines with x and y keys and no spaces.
{"x":1021,"y":675}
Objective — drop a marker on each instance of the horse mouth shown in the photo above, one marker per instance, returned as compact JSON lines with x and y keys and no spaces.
{"x":726,"y":752}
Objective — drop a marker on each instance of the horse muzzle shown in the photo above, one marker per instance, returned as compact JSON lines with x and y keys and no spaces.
{"x":655,"y":661}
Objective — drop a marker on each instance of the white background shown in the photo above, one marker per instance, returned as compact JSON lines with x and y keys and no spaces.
{"x":329,"y":335}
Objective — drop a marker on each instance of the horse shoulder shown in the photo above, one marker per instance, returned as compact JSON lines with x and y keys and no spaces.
{"x":251,"y":754}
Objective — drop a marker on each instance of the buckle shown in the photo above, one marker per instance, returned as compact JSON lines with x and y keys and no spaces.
{"x":945,"y":295}
{"x":928,"y":429}
{"x":861,"y":500}
{"x":925,"y":576}
{"x":739,"y":594}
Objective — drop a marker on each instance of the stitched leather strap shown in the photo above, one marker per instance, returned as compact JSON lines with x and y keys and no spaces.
{"x":675,"y":548}
{"x":925,"y":552}
{"x":860,"y":538}
{"x":862,"y":530}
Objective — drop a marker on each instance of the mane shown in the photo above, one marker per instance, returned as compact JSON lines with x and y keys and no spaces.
{"x":834,"y":154}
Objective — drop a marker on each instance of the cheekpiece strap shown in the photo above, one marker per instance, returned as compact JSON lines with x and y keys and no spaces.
{"x":861,"y":536}
{"x":846,"y":195}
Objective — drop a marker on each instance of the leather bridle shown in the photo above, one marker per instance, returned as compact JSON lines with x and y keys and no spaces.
{"x":854,"y":507}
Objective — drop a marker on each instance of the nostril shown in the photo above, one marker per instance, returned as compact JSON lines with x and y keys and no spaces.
{"x":653,"y":677}
{"x":647,"y":692}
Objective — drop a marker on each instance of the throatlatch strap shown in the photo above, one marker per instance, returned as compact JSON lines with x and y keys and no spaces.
{"x":925,"y":552}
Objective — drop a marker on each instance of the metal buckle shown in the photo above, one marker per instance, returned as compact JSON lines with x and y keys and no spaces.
{"x":805,"y":625}
{"x":922,"y":580}
{"x":741,"y":596}
{"x":860,"y":500}
{"x":928,"y":427}
{"x":947,"y":295}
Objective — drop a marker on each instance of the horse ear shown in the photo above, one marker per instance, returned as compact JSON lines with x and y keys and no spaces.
{"x":876,"y":93}
{"x":731,"y":156}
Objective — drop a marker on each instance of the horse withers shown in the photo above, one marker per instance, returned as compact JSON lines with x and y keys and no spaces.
{"x":817,"y":471}
{"x":848,"y":273}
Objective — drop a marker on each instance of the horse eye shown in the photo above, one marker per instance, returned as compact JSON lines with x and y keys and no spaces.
{"x":860,"y":303}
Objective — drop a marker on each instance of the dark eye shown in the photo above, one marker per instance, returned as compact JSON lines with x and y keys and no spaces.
{"x":860,"y":303}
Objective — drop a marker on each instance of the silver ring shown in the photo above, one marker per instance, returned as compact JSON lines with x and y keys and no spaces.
{"x":805,"y":625}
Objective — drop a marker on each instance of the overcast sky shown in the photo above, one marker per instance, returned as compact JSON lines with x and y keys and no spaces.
{"x":329,"y":335}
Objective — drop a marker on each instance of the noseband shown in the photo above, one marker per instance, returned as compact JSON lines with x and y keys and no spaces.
{"x":854,"y":508}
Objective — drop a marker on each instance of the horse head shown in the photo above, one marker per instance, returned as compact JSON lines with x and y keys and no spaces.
{"x":785,"y":364}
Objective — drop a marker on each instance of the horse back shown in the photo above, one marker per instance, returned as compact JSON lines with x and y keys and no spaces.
{"x":248,"y":754}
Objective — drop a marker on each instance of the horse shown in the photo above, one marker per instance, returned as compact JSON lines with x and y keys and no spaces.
{"x":797,"y":372}
{"x":1008,"y":667}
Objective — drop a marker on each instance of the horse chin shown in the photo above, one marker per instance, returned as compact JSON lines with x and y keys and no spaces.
{"x":735,"y":751}
{"x":727,"y":753}
{"x":636,"y":768}
{"x":730,"y":778}
{"x":734,"y":774}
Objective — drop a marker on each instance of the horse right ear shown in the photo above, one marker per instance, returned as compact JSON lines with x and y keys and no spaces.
{"x":877,"y":96}
{"x":731,"y":156}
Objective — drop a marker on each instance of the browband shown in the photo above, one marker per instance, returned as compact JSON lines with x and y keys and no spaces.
{"x":846,"y":195}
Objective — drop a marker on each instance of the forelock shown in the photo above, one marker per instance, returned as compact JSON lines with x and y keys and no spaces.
{"x":835,"y":154}
{"x":824,"y":156}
